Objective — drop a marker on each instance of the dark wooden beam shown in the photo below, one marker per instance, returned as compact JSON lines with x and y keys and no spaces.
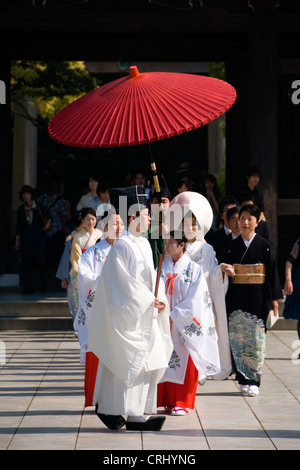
{"x":262,"y":107}
{"x":288,"y":207}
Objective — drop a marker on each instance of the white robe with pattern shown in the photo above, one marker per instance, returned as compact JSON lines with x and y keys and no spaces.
{"x":204,"y":255}
{"x":193,"y":325}
{"x":90,"y":266}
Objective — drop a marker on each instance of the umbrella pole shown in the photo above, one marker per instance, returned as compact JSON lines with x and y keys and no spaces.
{"x":155,"y":175}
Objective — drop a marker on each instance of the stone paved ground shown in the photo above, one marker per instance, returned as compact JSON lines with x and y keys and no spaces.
{"x":42,"y":403}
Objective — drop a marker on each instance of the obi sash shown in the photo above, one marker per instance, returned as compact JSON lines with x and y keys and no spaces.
{"x":249,"y":274}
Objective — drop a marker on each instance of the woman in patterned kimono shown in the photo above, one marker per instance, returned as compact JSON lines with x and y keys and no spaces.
{"x":193,"y":331}
{"x":252,"y":293}
{"x":87,"y":236}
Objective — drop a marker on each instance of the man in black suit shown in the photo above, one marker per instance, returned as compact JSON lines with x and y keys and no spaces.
{"x":224,"y":205}
{"x":232,"y":221}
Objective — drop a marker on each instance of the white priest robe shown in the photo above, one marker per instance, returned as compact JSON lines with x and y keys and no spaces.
{"x":193,"y":326}
{"x":90,"y":265}
{"x":130,"y":338}
{"x":204,"y":255}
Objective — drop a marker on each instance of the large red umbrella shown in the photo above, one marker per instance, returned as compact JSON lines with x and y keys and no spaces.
{"x":141,"y":108}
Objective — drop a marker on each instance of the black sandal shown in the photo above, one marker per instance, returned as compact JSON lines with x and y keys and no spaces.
{"x":111,"y":421}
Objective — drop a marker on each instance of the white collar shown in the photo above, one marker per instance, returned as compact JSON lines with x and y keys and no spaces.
{"x":248,"y":243}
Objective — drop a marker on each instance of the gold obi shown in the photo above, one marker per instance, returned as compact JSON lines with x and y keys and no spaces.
{"x":249,"y":274}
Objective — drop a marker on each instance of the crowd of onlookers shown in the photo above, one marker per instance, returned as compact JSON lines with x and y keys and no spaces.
{"x":51,"y":234}
{"x":45,"y":222}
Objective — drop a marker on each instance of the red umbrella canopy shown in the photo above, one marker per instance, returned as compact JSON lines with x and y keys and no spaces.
{"x":141,"y":108}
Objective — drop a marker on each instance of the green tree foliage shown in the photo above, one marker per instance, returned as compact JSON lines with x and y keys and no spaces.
{"x":52,"y":85}
{"x":217,"y":70}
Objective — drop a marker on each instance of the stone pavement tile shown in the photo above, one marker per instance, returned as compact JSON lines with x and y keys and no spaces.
{"x":281,"y":347}
{"x":227,"y":420}
{"x":10,"y":421}
{"x":94,"y":435}
{"x":39,"y":378}
{"x":42,"y":403}
{"x":48,"y":438}
{"x":278,"y":407}
{"x":284,"y":437}
{"x":178,"y":433}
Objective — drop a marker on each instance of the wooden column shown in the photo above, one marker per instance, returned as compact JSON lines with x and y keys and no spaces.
{"x":236,"y":124}
{"x":262,"y":103}
{"x":5,"y":165}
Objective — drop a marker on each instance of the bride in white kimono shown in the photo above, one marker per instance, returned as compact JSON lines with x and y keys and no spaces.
{"x":129,"y":329}
{"x":193,"y":328}
{"x":192,"y":213}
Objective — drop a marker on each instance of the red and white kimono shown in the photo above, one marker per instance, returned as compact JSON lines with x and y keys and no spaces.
{"x":193,"y":332}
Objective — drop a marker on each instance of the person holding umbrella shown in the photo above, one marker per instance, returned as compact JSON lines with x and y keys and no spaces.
{"x":129,"y":328}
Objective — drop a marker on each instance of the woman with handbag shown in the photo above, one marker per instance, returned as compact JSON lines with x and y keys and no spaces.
{"x":252,"y":293}
{"x":31,"y":238}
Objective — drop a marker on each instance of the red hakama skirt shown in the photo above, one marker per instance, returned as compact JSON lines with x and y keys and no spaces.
{"x":183,"y":395}
{"x":91,"y":367}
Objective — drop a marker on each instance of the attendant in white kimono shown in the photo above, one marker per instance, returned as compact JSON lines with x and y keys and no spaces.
{"x":192,"y":213}
{"x":89,"y":269}
{"x":193,"y":329}
{"x":87,"y":236}
{"x":129,"y":327}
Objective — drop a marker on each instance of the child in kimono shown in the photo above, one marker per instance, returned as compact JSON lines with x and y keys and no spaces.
{"x":193,"y":330}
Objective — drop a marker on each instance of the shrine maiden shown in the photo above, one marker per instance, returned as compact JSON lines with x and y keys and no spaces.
{"x":90,"y":266}
{"x":192,"y":213}
{"x":193,"y":331}
{"x":86,"y":237}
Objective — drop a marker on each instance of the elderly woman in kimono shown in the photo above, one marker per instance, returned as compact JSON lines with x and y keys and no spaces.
{"x":87,"y":236}
{"x":253,"y":291}
{"x":90,"y":266}
{"x":192,"y":328}
{"x":192,"y":213}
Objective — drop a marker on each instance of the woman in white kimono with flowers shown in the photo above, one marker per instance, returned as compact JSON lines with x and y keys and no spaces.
{"x":191,"y":212}
{"x":193,"y":331}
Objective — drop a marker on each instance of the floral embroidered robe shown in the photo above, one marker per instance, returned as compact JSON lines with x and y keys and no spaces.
{"x":89,"y":269}
{"x":193,"y":327}
{"x":204,"y":255}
